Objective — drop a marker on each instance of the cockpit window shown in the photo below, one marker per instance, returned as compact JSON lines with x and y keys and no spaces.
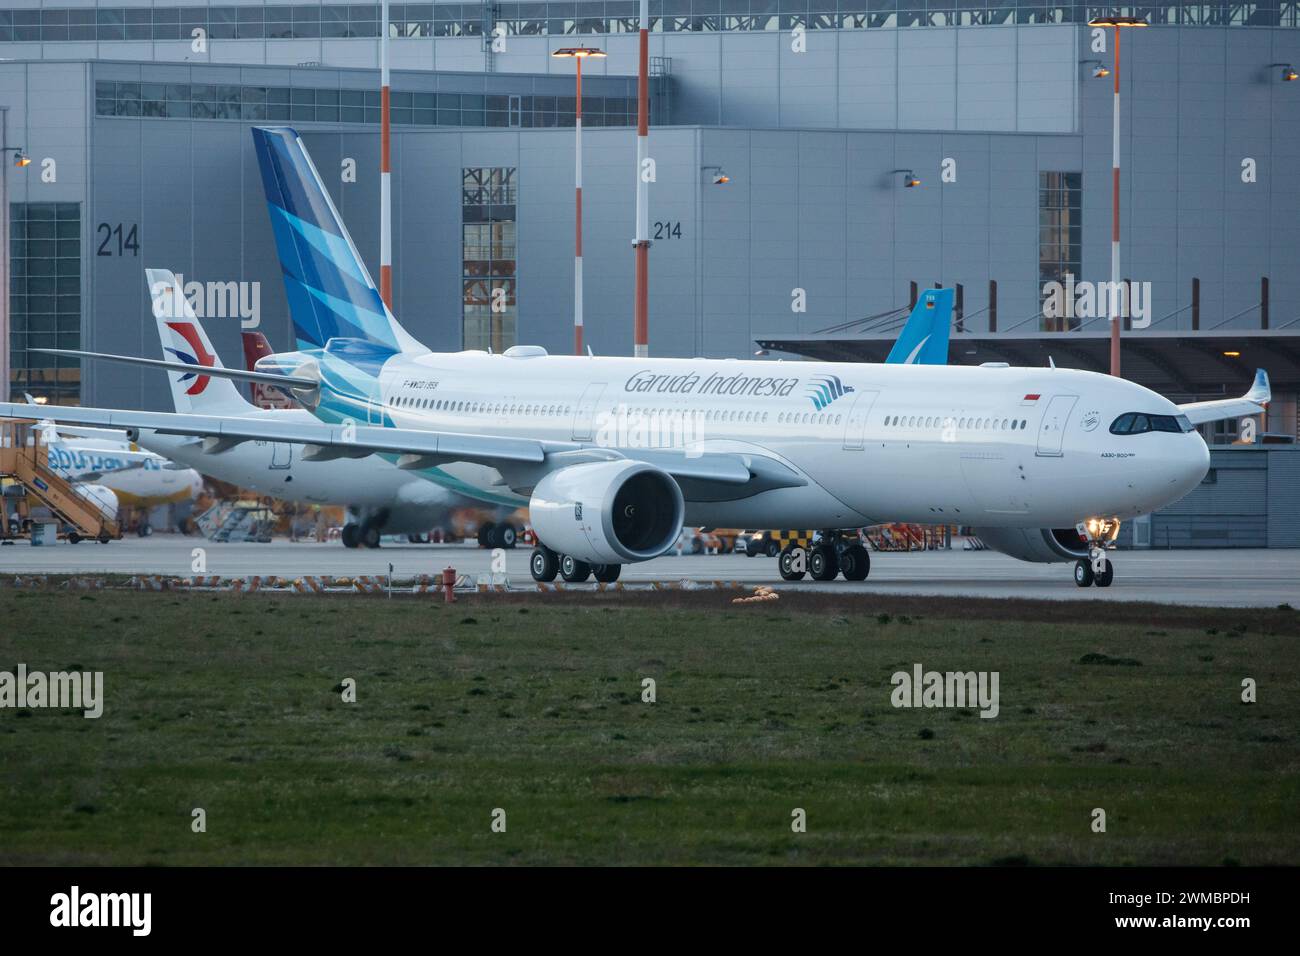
{"x":1135,"y":423}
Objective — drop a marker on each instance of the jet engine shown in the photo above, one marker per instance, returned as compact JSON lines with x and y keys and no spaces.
{"x":100,"y":496}
{"x":608,"y":512}
{"x":1040,"y":545}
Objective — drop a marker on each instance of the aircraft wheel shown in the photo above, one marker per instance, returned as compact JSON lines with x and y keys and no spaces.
{"x":573,"y":570}
{"x":350,"y":535}
{"x":145,"y":530}
{"x":1083,"y":575}
{"x":369,"y":536}
{"x":1106,"y":575}
{"x":543,"y":564}
{"x":791,"y":562}
{"x":506,"y":536}
{"x":606,"y":573}
{"x":485,"y":534}
{"x":823,"y":563}
{"x":855,"y":563}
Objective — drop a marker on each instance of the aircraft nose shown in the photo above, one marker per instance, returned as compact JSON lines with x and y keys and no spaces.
{"x":1193,"y":461}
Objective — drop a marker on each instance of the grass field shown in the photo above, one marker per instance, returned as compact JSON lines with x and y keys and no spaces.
{"x":534,"y":705}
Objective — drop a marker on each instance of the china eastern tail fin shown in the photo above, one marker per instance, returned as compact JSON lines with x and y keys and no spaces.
{"x":331,"y":295}
{"x":924,"y":338}
{"x":183,"y":340}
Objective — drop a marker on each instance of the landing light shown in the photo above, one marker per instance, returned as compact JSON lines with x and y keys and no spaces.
{"x":1232,"y":354}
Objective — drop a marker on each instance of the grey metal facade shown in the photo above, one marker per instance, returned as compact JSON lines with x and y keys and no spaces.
{"x":1249,"y":499}
{"x":810,"y":141}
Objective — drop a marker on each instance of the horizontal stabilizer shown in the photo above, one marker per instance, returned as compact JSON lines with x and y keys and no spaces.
{"x":266,"y":378}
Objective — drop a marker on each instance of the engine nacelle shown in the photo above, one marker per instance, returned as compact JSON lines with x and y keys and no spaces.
{"x":608,"y":512}
{"x":101,"y":497}
{"x":1041,"y":545}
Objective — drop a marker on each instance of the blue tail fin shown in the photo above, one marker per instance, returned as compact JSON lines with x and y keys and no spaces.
{"x":330,"y":292}
{"x":924,"y":339}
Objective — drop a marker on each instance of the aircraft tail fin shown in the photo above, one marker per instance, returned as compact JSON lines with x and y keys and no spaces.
{"x":255,"y":347}
{"x":330,"y":292}
{"x":183,"y":339}
{"x":924,"y":338}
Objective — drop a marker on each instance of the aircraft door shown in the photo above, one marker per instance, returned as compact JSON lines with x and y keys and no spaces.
{"x":375,"y":406}
{"x":1051,"y":432}
{"x":585,"y":414}
{"x":856,"y":426}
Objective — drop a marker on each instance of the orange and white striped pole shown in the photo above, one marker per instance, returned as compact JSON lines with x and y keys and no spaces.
{"x":1118,"y":23}
{"x":385,"y":168}
{"x":577,"y":231}
{"x":1114,"y":221}
{"x":577,"y":54}
{"x":641,"y":308}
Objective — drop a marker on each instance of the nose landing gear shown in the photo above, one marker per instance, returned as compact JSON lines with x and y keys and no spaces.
{"x":1096,"y":569}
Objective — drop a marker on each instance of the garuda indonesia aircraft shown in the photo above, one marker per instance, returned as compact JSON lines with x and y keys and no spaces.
{"x":613,"y":455}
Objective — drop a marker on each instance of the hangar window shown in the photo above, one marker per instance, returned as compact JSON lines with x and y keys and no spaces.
{"x":1060,"y":246}
{"x":44,"y":300}
{"x":490,"y":306}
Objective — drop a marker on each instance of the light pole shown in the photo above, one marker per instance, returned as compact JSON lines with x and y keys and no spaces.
{"x":1118,"y":23}
{"x":641,"y":306}
{"x":578,"y":54}
{"x":385,"y":168}
{"x":20,"y":160}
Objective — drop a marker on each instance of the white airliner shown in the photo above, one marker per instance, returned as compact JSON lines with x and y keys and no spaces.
{"x":105,"y":468}
{"x":1044,"y":462}
{"x":380,"y":498}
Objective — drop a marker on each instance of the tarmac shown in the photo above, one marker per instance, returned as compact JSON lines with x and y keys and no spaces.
{"x":1212,"y":578}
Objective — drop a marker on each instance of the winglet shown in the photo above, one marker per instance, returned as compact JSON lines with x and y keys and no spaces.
{"x":1253,"y":402}
{"x":1261,"y":393}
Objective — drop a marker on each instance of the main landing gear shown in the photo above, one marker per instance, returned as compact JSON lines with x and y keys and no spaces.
{"x":830,"y":556}
{"x":545,"y":564}
{"x":1096,"y":569}
{"x":492,"y":535}
{"x":363,"y":535}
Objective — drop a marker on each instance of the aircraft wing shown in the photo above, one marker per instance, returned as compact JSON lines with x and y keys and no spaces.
{"x":522,"y":460}
{"x":1252,"y":403}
